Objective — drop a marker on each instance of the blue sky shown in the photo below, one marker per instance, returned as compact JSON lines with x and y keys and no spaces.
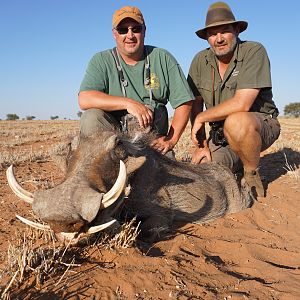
{"x":46,"y":45}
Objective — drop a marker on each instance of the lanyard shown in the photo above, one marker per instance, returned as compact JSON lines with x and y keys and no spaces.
{"x":123,"y":81}
{"x":213,"y":85}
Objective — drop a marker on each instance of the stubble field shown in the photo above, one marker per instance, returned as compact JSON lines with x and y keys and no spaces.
{"x":253,"y":254}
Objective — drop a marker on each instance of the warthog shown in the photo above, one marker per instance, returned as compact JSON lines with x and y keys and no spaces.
{"x":163,"y":191}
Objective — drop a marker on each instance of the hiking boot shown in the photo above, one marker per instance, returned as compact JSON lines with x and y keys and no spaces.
{"x":253,"y":181}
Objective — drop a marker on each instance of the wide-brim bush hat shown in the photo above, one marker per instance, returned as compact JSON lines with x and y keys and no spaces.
{"x":219,"y":13}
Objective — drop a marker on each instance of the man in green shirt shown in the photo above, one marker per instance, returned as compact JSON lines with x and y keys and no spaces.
{"x":233,"y":79}
{"x":134,"y":79}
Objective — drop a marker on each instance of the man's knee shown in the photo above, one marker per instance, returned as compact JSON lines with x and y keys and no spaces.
{"x":91,"y":115}
{"x":239,"y":125}
{"x":95,"y":120}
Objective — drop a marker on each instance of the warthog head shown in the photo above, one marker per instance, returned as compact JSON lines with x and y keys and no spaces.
{"x":93,"y":188}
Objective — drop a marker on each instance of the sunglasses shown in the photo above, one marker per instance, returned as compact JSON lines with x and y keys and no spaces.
{"x":134,"y":29}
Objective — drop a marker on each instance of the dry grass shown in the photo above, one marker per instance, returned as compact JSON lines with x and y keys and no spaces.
{"x":15,"y":133}
{"x":124,"y":237}
{"x":43,"y":139}
{"x":289,"y":136}
{"x":292,"y":170}
{"x":32,"y":255}
{"x":35,"y":255}
{"x":22,"y":141}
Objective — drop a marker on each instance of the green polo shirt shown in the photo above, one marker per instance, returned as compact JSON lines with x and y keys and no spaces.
{"x":167,"y":81}
{"x":249,"y":68}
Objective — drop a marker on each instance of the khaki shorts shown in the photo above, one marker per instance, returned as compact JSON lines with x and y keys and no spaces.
{"x":270,"y":131}
{"x":96,"y":120}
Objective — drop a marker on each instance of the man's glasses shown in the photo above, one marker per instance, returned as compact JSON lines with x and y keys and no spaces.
{"x":134,"y":29}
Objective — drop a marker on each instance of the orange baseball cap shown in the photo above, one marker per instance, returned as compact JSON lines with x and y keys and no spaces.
{"x":127,"y":12}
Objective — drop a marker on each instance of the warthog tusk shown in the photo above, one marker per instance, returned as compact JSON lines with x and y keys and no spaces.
{"x":72,"y":235}
{"x":100,"y":227}
{"x":16,"y":188}
{"x":34,"y":224}
{"x":67,"y":235}
{"x":113,"y":194}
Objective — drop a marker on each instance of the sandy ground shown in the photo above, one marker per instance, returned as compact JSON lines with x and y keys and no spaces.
{"x":253,"y":254}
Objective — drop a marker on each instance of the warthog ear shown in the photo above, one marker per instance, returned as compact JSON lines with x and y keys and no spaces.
{"x":90,"y":204}
{"x":111,"y":142}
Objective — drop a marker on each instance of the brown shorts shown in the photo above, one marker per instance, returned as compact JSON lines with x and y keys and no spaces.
{"x":270,"y":130}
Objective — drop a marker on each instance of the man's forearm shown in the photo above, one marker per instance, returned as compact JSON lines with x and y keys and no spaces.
{"x":240,"y":102}
{"x":197,"y":107}
{"x":179,"y":121}
{"x":97,"y":99}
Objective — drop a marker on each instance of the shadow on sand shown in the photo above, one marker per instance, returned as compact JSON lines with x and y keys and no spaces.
{"x":277,"y":164}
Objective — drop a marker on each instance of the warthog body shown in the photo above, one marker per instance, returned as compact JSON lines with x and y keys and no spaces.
{"x":163,"y":191}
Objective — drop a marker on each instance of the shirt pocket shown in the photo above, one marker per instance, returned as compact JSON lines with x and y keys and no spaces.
{"x":206,"y":91}
{"x":228,"y":91}
{"x":231,"y":86}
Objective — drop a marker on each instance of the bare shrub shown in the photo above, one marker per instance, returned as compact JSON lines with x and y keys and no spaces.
{"x":36,"y":254}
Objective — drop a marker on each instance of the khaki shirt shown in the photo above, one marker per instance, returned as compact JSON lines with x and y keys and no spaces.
{"x":249,"y":68}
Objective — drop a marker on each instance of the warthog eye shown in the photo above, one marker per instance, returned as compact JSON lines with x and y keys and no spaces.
{"x":119,"y":152}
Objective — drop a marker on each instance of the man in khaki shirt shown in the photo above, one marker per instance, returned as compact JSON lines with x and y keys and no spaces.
{"x":232,"y":78}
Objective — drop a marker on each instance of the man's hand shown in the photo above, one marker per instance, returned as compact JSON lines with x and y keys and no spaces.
{"x":143,"y":114}
{"x":201,"y":155}
{"x":198,"y":127}
{"x":166,"y":143}
{"x":162,"y":144}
